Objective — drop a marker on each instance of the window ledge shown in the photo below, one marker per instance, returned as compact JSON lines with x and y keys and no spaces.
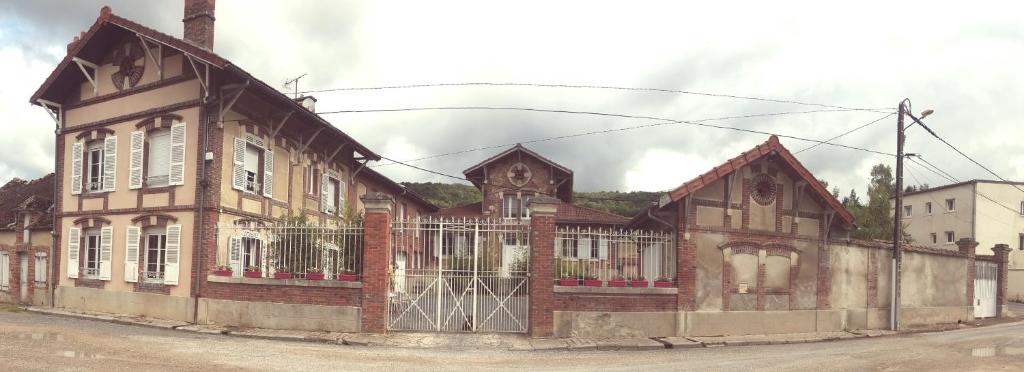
{"x":617,"y":290}
{"x":284,"y":282}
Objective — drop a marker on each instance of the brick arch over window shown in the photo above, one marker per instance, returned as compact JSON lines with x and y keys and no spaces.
{"x":157,"y":122}
{"x":150,"y":220}
{"x":95,"y":134}
{"x":90,"y":222}
{"x":770,"y":281}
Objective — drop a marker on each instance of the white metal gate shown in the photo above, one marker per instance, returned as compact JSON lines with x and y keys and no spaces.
{"x":985,"y":279}
{"x":464,"y":275}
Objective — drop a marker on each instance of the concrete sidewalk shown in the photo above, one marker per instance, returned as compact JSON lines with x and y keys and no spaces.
{"x":469,"y":341}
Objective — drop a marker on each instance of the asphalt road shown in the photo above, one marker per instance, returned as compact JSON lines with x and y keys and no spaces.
{"x":30,"y":341}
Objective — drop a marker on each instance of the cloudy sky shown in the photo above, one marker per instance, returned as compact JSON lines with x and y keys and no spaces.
{"x":964,"y":62}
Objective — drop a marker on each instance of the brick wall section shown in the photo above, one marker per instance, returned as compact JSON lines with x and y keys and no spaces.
{"x":966,"y":247}
{"x":613,"y":302}
{"x":872,"y":277}
{"x":1002,"y":254}
{"x":284,"y":294}
{"x":686,"y":253}
{"x":542,"y":271}
{"x":824,"y":285}
{"x":376,"y":262}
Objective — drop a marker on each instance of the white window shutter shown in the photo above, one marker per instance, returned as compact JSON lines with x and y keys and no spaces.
{"x":342,"y":188}
{"x":325,"y":192}
{"x":74,"y":245}
{"x":136,"y":162}
{"x":177,"y":163}
{"x":238,"y":174}
{"x":131,"y":254}
{"x":268,"y":173}
{"x":106,"y":248}
{"x":583,"y":248}
{"x":109,"y":163}
{"x":76,"y":168}
{"x":602,"y":248}
{"x":235,"y":256}
{"x":172,"y":255}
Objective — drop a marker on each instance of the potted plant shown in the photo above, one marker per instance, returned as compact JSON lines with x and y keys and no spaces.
{"x":591,"y":280}
{"x":283,"y":272}
{"x":348,"y":276}
{"x":253,"y":272}
{"x":638,"y":282}
{"x":663,"y":282}
{"x":315,"y":273}
{"x":617,"y":282}
{"x":223,"y":270}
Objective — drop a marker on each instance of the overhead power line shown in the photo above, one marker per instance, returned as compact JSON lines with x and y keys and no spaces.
{"x":943,"y":140}
{"x":696,"y":123}
{"x":828,"y":141}
{"x":943,"y":174}
{"x":586,"y":86}
{"x":604,"y":131}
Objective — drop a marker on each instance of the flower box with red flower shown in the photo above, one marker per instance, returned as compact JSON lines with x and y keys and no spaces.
{"x":283,"y":275}
{"x":663,"y":283}
{"x":223,"y":270}
{"x":592,"y":282}
{"x":348,"y":277}
{"x":617,"y":283}
{"x":568,"y":282}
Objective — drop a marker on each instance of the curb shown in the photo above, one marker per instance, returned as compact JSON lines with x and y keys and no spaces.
{"x":537,"y":344}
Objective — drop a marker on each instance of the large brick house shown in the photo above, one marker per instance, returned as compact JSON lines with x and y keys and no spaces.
{"x":26,"y":243}
{"x":160,"y":143}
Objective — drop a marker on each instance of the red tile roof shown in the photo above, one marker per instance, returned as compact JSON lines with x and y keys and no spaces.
{"x":772,"y":146}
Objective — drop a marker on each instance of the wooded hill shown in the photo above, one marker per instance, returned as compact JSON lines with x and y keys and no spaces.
{"x":447,"y":195}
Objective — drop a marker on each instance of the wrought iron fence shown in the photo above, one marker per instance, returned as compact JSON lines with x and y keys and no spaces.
{"x":614,"y":256}
{"x":292,"y":249}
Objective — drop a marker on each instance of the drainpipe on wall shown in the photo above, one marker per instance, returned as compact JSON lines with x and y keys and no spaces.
{"x":204,"y":183}
{"x":51,"y":285}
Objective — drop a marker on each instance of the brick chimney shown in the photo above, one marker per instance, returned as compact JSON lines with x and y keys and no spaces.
{"x":199,"y":22}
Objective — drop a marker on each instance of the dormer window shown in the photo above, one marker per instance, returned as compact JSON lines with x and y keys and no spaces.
{"x":252,"y":169}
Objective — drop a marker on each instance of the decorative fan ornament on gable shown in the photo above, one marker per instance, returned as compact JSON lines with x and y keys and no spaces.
{"x":130,"y":61}
{"x":764,"y":189}
{"x":519,"y":174}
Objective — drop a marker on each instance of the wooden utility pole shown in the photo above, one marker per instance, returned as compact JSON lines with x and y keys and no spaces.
{"x":897,"y":229}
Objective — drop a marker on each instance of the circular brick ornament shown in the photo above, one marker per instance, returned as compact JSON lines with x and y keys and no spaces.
{"x":764,"y":189}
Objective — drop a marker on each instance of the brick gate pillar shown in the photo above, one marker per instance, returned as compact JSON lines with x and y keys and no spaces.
{"x":542,"y":271}
{"x":1002,"y":253}
{"x":686,"y":259}
{"x":376,"y":261}
{"x":967,"y":246}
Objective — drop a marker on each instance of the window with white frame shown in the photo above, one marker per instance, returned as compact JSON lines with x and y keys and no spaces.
{"x":516,"y":206}
{"x":158,"y":161}
{"x":332,"y":193}
{"x":311,"y":184}
{"x":331,"y":202}
{"x":401,"y":212}
{"x":252,"y":168}
{"x":935,"y":238}
{"x":92,"y":253}
{"x":928,"y":208}
{"x":40,"y":266}
{"x":253,"y":171}
{"x":950,"y":205}
{"x":155,"y":251}
{"x":94,"y":166}
{"x":950,"y":237}
{"x":908,"y":211}
{"x":1020,"y":242}
{"x":5,"y":271}
{"x":252,"y":253}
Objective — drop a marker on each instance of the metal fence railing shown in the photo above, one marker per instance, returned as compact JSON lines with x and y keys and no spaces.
{"x":293,"y":249}
{"x":614,"y":257}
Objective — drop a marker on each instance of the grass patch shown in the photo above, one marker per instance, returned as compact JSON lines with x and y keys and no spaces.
{"x":9,"y":308}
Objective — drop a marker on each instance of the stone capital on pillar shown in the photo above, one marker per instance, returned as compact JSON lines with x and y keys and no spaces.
{"x":377,"y":202}
{"x":1002,"y":252}
{"x":543,"y":205}
{"x":967,"y":246}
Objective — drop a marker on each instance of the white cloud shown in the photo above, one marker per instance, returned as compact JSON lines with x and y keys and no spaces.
{"x":961,"y":61}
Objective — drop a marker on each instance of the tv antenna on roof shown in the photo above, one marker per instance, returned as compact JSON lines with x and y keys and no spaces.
{"x":288,"y":84}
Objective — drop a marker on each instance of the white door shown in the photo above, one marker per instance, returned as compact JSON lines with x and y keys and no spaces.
{"x":400,"y":258}
{"x":985,"y":289}
{"x":24,"y":277}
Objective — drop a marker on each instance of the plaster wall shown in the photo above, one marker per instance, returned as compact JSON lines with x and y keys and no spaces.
{"x":128,"y":303}
{"x":279,"y":316}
